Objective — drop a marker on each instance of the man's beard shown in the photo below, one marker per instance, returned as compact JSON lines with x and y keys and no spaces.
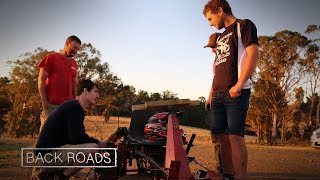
{"x":71,"y":54}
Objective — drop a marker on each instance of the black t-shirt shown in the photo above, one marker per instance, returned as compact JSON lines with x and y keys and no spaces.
{"x":231,"y":45}
{"x":64,"y":126}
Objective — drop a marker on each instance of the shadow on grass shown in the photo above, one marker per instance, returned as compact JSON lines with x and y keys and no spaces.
{"x":283,"y":176}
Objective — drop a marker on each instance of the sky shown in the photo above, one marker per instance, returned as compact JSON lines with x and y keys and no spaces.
{"x":151,"y":45}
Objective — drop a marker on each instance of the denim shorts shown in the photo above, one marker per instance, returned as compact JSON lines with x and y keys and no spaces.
{"x":229,"y":114}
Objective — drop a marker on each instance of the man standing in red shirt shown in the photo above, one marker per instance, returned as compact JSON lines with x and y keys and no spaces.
{"x":58,"y":77}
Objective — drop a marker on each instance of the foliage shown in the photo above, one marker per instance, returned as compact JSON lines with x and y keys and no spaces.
{"x":89,"y":63}
{"x":281,"y":69}
{"x":23,"y":119}
{"x":312,"y":68}
{"x":20,"y":99}
{"x":5,"y":104}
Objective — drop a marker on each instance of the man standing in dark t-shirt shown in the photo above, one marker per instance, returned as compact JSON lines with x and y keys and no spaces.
{"x":64,"y":128}
{"x":237,"y":55}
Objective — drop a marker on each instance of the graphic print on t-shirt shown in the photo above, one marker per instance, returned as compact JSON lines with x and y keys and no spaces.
{"x":231,"y":54}
{"x":223,"y":48}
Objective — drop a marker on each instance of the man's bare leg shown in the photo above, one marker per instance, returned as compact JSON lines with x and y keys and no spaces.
{"x":216,"y":152}
{"x":226,"y":153}
{"x":239,"y":156}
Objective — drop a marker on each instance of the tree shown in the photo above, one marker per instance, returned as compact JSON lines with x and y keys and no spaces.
{"x":280,"y":72}
{"x":142,"y":96}
{"x":89,"y":63}
{"x":91,"y":67}
{"x":155,"y":96}
{"x":312,"y":65}
{"x":23,"y":119}
{"x":126,"y":96}
{"x":5,"y":104}
{"x":168,"y":95}
{"x":257,"y":118}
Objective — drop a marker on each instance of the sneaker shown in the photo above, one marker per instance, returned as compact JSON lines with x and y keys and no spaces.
{"x":202,"y":174}
{"x":228,"y":177}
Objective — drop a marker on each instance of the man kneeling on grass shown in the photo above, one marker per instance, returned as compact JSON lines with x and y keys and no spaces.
{"x":64,"y":128}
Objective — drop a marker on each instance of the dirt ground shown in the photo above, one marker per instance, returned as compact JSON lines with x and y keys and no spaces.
{"x":274,"y":162}
{"x":265,"y":162}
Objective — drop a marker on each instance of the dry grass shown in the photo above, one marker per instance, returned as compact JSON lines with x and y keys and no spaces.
{"x":270,"y":162}
{"x":98,"y":128}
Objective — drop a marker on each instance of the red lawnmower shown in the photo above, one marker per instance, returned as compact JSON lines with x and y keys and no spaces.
{"x":156,"y":143}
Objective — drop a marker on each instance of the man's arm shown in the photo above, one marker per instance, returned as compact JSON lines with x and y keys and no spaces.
{"x":74,"y":84}
{"x":208,"y":102}
{"x":248,"y":69}
{"x":43,"y":75}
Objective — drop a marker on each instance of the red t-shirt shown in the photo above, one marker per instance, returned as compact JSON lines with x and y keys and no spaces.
{"x":61,"y":72}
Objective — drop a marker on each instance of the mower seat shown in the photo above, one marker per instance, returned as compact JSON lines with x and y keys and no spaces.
{"x":139,"y":119}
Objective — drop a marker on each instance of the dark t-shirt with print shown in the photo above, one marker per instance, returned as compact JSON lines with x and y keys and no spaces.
{"x":226,"y":63}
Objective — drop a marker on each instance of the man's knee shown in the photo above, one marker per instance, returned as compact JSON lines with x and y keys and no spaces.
{"x":91,"y":145}
{"x":234,"y":137}
{"x":222,"y":137}
{"x":237,"y":140}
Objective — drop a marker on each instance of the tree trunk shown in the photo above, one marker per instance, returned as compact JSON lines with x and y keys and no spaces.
{"x":269,"y":132}
{"x":274,"y":130}
{"x":310,"y":119}
{"x":274,"y":126}
{"x":283,"y":133}
{"x":318,"y":114}
{"x":259,"y":134}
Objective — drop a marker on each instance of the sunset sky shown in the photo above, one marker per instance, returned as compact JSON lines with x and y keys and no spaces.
{"x":151,"y":45}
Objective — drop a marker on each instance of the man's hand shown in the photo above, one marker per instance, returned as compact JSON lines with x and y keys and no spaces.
{"x":235,"y":91}
{"x":208,"y":104}
{"x":248,"y":69}
{"x":44,"y":104}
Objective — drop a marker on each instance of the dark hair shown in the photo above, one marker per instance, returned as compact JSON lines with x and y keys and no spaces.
{"x":213,"y":6}
{"x":86,"y":83}
{"x":73,"y":38}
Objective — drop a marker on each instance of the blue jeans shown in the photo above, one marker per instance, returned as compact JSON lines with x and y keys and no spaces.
{"x":229,"y":114}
